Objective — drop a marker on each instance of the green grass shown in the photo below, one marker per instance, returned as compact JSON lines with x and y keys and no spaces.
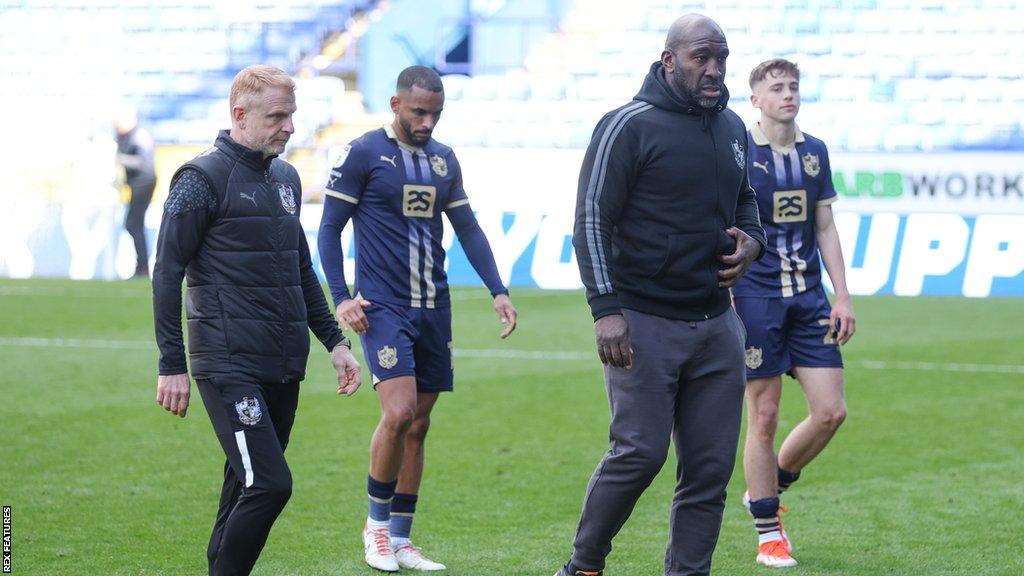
{"x":924,"y":477}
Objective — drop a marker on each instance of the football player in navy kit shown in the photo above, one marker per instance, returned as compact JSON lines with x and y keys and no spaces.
{"x":791,"y":327}
{"x":394,"y":183}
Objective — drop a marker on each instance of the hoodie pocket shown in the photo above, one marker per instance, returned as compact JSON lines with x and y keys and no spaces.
{"x":688,"y":268}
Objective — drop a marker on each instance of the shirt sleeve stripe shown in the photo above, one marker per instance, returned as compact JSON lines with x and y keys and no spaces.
{"x":827,"y":201}
{"x":457,"y":203}
{"x":340,"y":196}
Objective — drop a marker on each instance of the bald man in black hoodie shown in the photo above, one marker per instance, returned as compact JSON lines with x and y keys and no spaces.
{"x":666,"y":222}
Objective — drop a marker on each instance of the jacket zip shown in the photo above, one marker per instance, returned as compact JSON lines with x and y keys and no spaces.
{"x":277,"y":275}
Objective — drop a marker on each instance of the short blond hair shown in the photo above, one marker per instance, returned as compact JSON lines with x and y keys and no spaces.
{"x":775,"y":67}
{"x":253,"y":79}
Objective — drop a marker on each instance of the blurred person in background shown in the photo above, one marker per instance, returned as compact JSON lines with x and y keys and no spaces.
{"x":791,"y":327}
{"x":135,"y":149}
{"x":231,"y":227}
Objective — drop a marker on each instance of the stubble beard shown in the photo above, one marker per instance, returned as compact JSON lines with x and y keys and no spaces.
{"x":693,"y":92}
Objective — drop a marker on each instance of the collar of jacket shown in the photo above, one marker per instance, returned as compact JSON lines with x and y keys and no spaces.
{"x":247,"y":156}
{"x":657,"y":92}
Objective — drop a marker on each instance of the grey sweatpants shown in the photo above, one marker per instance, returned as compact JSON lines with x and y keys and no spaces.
{"x":687,"y":383}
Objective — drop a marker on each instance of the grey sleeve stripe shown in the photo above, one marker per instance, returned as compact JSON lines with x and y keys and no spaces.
{"x":595,"y":187}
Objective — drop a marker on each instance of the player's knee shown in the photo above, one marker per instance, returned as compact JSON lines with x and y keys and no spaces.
{"x":399,"y":418}
{"x":832,"y":418}
{"x":647,"y":461}
{"x":278,"y":491}
{"x":418,"y":429}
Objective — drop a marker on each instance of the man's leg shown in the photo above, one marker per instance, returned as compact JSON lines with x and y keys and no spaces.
{"x":240,"y":417}
{"x":411,"y":473}
{"x":398,"y":410}
{"x":760,"y":463}
{"x":135,"y":224}
{"x":403,"y":507}
{"x":229,"y":493}
{"x":818,"y":366}
{"x":767,"y":358}
{"x":642,"y":401}
{"x":827,"y":406}
{"x":707,"y":415}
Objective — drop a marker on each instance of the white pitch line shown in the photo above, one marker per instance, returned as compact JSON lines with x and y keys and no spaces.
{"x":514,"y":354}
{"x":940,"y":367}
{"x":77,"y":343}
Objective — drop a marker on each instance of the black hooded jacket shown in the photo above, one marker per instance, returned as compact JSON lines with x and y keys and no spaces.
{"x":661,"y":181}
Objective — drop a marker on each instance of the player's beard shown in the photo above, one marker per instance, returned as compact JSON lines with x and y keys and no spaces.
{"x":417,"y":139}
{"x":693,"y":92}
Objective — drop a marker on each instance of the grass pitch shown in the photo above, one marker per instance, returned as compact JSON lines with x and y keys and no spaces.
{"x":924,"y":477}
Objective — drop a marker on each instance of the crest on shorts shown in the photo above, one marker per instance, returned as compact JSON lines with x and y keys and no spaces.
{"x":287,"y":197}
{"x":438,"y":165}
{"x":387,"y":357}
{"x":811,"y":164}
{"x":248,"y":409}
{"x":737,"y":152}
{"x":753,"y":358}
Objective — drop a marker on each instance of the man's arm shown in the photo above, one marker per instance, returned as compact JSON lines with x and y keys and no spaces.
{"x":345,"y":186}
{"x":832,"y":256}
{"x":318,"y":315}
{"x":748,"y":234}
{"x":187,"y":215}
{"x":748,"y":219}
{"x":478,"y":251}
{"x":607,"y":175}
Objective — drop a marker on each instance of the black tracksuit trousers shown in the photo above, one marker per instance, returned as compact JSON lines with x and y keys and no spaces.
{"x":253,"y":422}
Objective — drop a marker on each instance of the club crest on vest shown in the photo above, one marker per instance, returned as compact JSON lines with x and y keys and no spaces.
{"x":387,"y":357}
{"x":249,"y":412}
{"x":753,"y":357}
{"x":287,"y":197}
{"x":439,"y":165}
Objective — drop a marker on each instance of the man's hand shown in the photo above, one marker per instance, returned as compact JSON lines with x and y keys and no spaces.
{"x":172,"y":393}
{"x":613,"y":342}
{"x":350,"y":315}
{"x":842,"y":316}
{"x":349,"y":377}
{"x":747,"y":250}
{"x":506,"y":313}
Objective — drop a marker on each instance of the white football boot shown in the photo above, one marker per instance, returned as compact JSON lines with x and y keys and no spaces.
{"x":377,"y":547}
{"x":411,"y":557}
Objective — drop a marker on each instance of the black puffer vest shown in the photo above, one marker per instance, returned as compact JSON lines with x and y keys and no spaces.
{"x":244,"y":304}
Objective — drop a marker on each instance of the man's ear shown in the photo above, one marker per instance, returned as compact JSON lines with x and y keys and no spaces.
{"x":395,"y":101}
{"x":237,"y":116}
{"x":668,"y":60}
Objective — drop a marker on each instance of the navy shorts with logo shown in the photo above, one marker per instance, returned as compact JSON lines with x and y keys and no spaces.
{"x":787,"y":332}
{"x":406,"y":341}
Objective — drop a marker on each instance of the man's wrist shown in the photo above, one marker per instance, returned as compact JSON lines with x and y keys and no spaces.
{"x":345,"y":341}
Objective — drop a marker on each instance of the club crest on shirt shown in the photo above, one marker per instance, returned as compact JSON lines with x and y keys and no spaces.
{"x":737,"y":152}
{"x":343,"y":156}
{"x":249,"y":412}
{"x":287,"y":197}
{"x":753,"y":357}
{"x":439,"y":166}
{"x":387,"y":357}
{"x":811,"y":164}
